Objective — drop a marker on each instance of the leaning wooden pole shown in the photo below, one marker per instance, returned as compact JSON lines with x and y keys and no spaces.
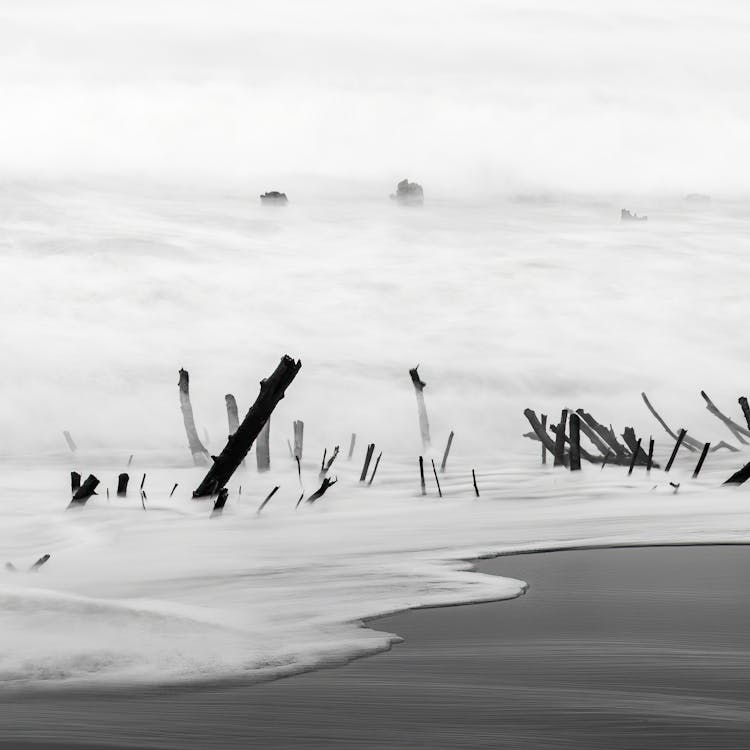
{"x":575,"y":442}
{"x":745,"y":409}
{"x":677,"y":444}
{"x":201,"y":456}
{"x":272,"y":390}
{"x":559,"y":451}
{"x":424,"y":424}
{"x":447,"y":451}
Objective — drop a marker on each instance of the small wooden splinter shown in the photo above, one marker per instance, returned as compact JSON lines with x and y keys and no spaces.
{"x":437,"y":481}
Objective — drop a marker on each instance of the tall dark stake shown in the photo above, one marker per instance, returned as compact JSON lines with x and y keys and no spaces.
{"x":368,"y":458}
{"x":575,"y":442}
{"x":272,"y":391}
{"x":745,"y":409}
{"x":544,"y":447}
{"x":424,"y":425}
{"x":122,"y":485}
{"x":437,"y":481}
{"x":650,"y":454}
{"x":447,"y":451}
{"x":197,"y":449}
{"x":421,"y":475}
{"x":680,"y":438}
{"x":699,"y":465}
{"x":474,"y":478}
{"x":634,"y":457}
{"x":560,"y":440}
{"x":374,"y":471}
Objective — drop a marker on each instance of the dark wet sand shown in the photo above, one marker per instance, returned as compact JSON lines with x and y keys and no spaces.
{"x":624,"y":648}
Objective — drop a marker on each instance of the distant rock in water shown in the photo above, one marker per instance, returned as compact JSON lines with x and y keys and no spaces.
{"x":625,"y":215}
{"x":698,"y":198}
{"x":408,"y":193}
{"x":274,"y":198}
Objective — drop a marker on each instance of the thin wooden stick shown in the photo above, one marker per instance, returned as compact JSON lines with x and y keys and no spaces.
{"x":265,"y":502}
{"x":650,"y":459}
{"x":634,"y":457}
{"x":560,"y":440}
{"x":447,"y":451}
{"x":173,"y":489}
{"x":699,"y":465}
{"x":606,"y":458}
{"x":368,"y":458}
{"x":351,"y":446}
{"x":680,"y":438}
{"x":474,"y":478}
{"x":421,"y":475}
{"x":377,"y":463}
{"x":437,"y":481}
{"x":544,"y":447}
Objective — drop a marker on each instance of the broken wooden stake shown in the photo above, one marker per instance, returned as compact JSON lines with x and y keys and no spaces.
{"x":325,"y":466}
{"x":421,"y":476}
{"x":265,"y":502}
{"x":271,"y":392}
{"x":677,"y":444}
{"x":737,"y":430}
{"x":299,"y":432}
{"x":143,"y":480}
{"x":122,"y":485}
{"x":544,"y":447}
{"x":86,"y":490}
{"x":197,"y":449}
{"x":447,"y":451}
{"x":75,"y":482}
{"x":437,"y":481}
{"x":650,"y":458}
{"x":321,"y":490}
{"x":173,"y":489}
{"x":233,"y":416}
{"x":741,"y":476}
{"x":575,"y":442}
{"x":38,"y":564}
{"x":143,"y":499}
{"x":539,"y":431}
{"x":559,"y":451}
{"x":263,"y":449}
{"x":69,"y":440}
{"x":606,"y":458}
{"x":221,"y":501}
{"x":474,"y":479}
{"x":374,"y":471}
{"x":699,"y":465}
{"x":351,"y":446}
{"x":368,"y":458}
{"x":424,"y":424}
{"x":634,"y":457}
{"x":745,"y":409}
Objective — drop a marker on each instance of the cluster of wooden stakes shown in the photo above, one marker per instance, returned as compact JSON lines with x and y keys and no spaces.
{"x":564,"y":442}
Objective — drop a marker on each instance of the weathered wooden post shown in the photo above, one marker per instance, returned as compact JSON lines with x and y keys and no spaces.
{"x":299,"y":431}
{"x":272,"y":390}
{"x":197,"y":449}
{"x":374,"y":471}
{"x":575,"y":442}
{"x":122,"y":485}
{"x":421,"y":476}
{"x":75,"y":482}
{"x":351,"y":446}
{"x":424,"y":425}
{"x":745,"y":409}
{"x":268,"y":497}
{"x":650,"y":459}
{"x":85,"y":491}
{"x":677,"y":444}
{"x":263,"y":448}
{"x":233,"y":416}
{"x":447,"y":451}
{"x":741,"y":476}
{"x":544,"y":447}
{"x":634,"y":457}
{"x":699,"y":465}
{"x":437,"y":481}
{"x":321,"y":490}
{"x":560,"y":440}
{"x":368,"y":458}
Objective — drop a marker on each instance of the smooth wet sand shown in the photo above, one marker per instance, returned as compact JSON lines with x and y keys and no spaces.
{"x":623,"y":648}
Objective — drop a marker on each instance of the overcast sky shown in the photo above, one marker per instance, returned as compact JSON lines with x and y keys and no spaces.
{"x":511,"y":94}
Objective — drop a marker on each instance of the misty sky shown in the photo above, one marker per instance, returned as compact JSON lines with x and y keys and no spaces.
{"x":512,"y":94}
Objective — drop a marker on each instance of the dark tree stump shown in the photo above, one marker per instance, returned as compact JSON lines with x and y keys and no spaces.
{"x":200,"y":455}
{"x":634,"y":456}
{"x":421,"y":476}
{"x":263,"y":448}
{"x":38,"y":564}
{"x":368,"y":458}
{"x":268,"y":497}
{"x":271,"y":392}
{"x":745,"y":409}
{"x":85,"y":491}
{"x":539,"y":431}
{"x":544,"y":447}
{"x":122,"y":485}
{"x":325,"y":466}
{"x":641,"y":457}
{"x":424,"y":424}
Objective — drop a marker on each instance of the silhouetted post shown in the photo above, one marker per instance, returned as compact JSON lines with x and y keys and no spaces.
{"x":474,"y":479}
{"x":69,"y":440}
{"x":421,"y":476}
{"x":351,"y":446}
{"x":233,"y":416}
{"x":575,"y":442}
{"x":437,"y":481}
{"x":424,"y":425}
{"x":634,"y":457}
{"x":326,"y":466}
{"x":38,"y":564}
{"x":122,"y":485}
{"x":85,"y":491}
{"x":680,"y":438}
{"x":268,"y":497}
{"x":197,"y":449}
{"x":321,"y":490}
{"x":221,"y":501}
{"x":299,"y":431}
{"x":741,"y":476}
{"x":263,"y":448}
{"x":173,"y":489}
{"x":130,"y":460}
{"x":699,"y":465}
{"x":374,"y":471}
{"x":650,"y":459}
{"x":368,"y":458}
{"x":447,"y":451}
{"x":544,"y":447}
{"x":745,"y":409}
{"x":560,"y":440}
{"x":272,"y":390}
{"x":75,"y":482}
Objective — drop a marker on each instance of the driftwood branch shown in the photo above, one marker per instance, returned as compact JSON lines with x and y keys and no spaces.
{"x":321,"y":490}
{"x":628,"y":435}
{"x":271,"y":392}
{"x":737,"y":430}
{"x":197,"y":449}
{"x":689,"y":444}
{"x":424,"y":424}
{"x":621,"y":453}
